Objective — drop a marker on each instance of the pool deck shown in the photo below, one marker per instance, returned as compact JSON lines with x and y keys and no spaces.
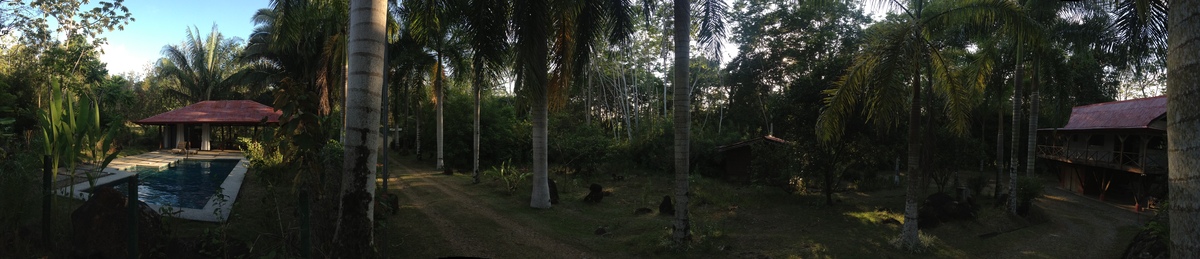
{"x":216,"y":210}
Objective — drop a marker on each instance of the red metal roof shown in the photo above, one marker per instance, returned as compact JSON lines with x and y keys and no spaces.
{"x":225,"y":112}
{"x":1128,"y":114}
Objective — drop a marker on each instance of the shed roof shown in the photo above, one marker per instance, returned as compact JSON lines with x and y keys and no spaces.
{"x":224,"y":112}
{"x":1127,"y":114}
{"x":767,"y":138}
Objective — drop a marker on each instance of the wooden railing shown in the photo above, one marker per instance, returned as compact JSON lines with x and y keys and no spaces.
{"x":1137,"y":162}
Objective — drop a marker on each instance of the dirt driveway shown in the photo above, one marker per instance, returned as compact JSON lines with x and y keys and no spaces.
{"x":446,"y":205}
{"x":1078,"y":227}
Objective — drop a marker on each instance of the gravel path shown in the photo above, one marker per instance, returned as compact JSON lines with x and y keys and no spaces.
{"x":439,"y":201}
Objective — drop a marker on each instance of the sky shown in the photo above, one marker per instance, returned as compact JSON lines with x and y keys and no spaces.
{"x":163,"y":22}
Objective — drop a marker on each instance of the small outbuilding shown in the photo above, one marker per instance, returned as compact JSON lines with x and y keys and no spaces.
{"x":193,"y":125}
{"x":738,"y":156}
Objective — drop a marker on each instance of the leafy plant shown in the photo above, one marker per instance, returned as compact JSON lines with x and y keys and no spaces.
{"x":267,"y":158}
{"x":508,"y":174}
{"x":69,"y":128}
{"x":1028,"y":188}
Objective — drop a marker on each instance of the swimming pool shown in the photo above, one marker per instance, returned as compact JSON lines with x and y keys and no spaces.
{"x":190,"y":184}
{"x":176,"y":185}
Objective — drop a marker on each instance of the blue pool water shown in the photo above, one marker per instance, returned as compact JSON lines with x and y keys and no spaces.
{"x":190,"y":184}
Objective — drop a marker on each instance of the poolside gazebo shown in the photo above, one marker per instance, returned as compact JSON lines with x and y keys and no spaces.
{"x":200,"y":117}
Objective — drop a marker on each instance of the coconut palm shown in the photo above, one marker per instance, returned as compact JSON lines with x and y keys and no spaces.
{"x":204,"y":67}
{"x":366,"y":59}
{"x":899,"y":61}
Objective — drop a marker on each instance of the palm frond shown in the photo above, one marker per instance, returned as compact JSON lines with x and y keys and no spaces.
{"x":712,"y":15}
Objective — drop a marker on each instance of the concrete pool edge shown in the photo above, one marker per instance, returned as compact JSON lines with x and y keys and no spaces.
{"x":229,"y":188}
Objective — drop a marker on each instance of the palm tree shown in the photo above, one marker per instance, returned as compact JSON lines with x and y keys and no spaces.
{"x":683,"y":118}
{"x":488,"y":39}
{"x":577,"y":25}
{"x":1183,"y":103}
{"x":430,"y":23}
{"x":899,"y":51}
{"x":366,"y":59}
{"x":204,"y":67}
{"x":299,"y":48}
{"x":530,"y":23}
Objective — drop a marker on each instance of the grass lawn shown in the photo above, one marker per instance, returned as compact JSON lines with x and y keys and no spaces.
{"x":728,"y":220}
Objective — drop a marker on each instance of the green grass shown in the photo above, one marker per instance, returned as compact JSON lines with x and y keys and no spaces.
{"x":731,"y":220}
{"x":728,"y":220}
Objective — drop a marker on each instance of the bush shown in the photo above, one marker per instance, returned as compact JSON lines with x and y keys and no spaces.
{"x":504,"y":135}
{"x":580,"y":147}
{"x":1028,"y":188}
{"x":874,"y":184}
{"x":264,"y":157}
{"x":976,"y":184}
{"x":650,"y":147}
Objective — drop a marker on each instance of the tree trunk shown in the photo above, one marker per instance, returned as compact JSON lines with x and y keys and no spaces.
{"x":535,"y":77}
{"x":908,"y":233}
{"x":1031,"y":139}
{"x":366,"y":46}
{"x":477,"y":89}
{"x":541,"y":189}
{"x":1183,"y":105}
{"x":439,"y":91}
{"x":683,"y":120}
{"x":1016,"y":137}
{"x":999,"y":147}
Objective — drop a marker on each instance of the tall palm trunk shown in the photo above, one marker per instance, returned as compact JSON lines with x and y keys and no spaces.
{"x":999,"y":148}
{"x":475,"y":145}
{"x":908,"y":232}
{"x":683,"y":119}
{"x":533,"y":54}
{"x":541,"y":189}
{"x":440,"y":90}
{"x":1031,"y":139}
{"x":1013,"y":163}
{"x":1183,"y":104}
{"x":366,"y":47}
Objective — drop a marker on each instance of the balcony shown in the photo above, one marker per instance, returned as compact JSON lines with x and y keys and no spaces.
{"x":1134,"y":162}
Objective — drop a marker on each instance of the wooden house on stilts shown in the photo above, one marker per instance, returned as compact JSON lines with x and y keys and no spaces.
{"x":1114,"y":150}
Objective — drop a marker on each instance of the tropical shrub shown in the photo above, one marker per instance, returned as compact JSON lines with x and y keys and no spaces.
{"x":1028,"y":188}
{"x":510,"y":176}
{"x":264,"y":157}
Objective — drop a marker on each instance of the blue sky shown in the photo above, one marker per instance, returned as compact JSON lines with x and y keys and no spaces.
{"x":162,"y":22}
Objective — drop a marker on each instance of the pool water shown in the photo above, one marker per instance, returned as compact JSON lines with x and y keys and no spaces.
{"x":190,"y":184}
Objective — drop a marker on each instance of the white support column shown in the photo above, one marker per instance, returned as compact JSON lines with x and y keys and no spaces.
{"x":179,"y":135}
{"x":166,"y":137}
{"x":204,"y":137}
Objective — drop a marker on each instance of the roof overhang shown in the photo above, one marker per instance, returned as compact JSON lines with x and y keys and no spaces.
{"x":224,"y":112}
